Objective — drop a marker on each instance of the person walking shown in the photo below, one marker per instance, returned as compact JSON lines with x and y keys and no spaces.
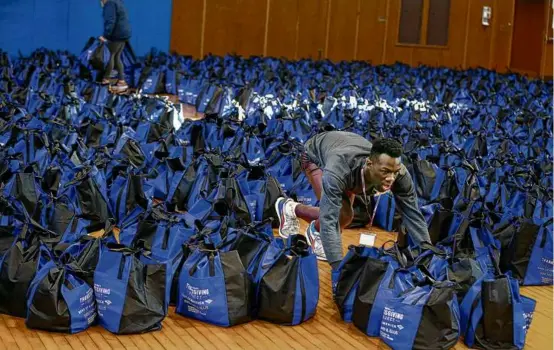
{"x":117,"y":31}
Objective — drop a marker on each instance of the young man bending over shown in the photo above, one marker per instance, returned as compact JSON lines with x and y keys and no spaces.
{"x":338,"y":166}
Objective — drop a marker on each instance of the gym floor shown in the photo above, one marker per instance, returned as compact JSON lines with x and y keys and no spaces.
{"x":325,"y":331}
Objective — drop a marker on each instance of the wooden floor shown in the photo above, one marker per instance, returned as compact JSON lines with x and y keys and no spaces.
{"x":325,"y":331}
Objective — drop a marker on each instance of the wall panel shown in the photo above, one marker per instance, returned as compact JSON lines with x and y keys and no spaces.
{"x":282,"y":28}
{"x":235,"y":26}
{"x":394,"y":52}
{"x":433,"y":57}
{"x":371,"y":32}
{"x":312,"y":27}
{"x":342,"y":30}
{"x":349,"y":30}
{"x":26,"y":25}
{"x":479,"y":40}
{"x":528,"y":37}
{"x":186,"y":27}
{"x":502,"y":35}
{"x":454,"y":55}
{"x":548,"y":62}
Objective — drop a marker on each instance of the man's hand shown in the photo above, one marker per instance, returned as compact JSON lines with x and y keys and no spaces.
{"x":102,"y":39}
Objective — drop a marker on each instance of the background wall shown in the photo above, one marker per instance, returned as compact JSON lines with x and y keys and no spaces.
{"x":370,"y":30}
{"x":67,"y":24}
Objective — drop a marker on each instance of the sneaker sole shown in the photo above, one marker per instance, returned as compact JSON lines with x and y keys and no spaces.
{"x":309,"y":237}
{"x":279,"y":217}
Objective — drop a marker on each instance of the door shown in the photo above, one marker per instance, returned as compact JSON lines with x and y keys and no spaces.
{"x":372,"y":25}
{"x":528,"y":37}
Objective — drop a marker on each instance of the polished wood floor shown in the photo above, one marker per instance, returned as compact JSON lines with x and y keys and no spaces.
{"x":324,"y":331}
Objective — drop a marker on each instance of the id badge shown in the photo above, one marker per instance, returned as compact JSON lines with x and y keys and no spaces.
{"x":367,"y":239}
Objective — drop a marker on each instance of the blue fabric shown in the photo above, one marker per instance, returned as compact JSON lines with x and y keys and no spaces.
{"x":118,"y":268}
{"x":471,"y":313}
{"x":539,"y":270}
{"x":401,"y":318}
{"x":393,"y":283}
{"x":74,"y":295}
{"x":197,"y":286}
{"x":116,"y":21}
{"x":126,"y":200}
{"x":203,"y":294}
{"x":110,"y":288}
{"x":306,"y":290}
{"x":385,"y":211}
{"x":353,"y":251}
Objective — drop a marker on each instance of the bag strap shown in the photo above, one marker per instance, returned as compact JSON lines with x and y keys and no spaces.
{"x":211,"y":264}
{"x":395,"y":252}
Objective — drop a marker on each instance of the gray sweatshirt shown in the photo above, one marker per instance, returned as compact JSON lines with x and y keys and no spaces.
{"x":341,"y":156}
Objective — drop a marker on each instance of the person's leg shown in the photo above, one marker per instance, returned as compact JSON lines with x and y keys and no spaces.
{"x":315,"y":177}
{"x":289,"y":211}
{"x":119,"y":66}
{"x":309,"y":213}
{"x":112,"y":47}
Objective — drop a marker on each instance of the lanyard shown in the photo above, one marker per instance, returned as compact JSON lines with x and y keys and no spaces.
{"x":367,"y":201}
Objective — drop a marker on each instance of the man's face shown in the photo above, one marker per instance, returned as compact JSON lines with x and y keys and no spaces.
{"x":383,"y":170}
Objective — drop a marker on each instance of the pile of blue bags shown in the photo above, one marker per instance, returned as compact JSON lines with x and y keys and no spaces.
{"x":186,"y":207}
{"x":114,"y":207}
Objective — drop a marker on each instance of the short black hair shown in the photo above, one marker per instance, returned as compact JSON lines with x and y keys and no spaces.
{"x":390,"y":147}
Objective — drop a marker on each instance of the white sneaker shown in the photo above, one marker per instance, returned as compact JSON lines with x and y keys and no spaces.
{"x":288,"y":222}
{"x":315,"y":241}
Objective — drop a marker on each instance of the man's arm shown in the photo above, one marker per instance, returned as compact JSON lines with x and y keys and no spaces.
{"x":109,"y":18}
{"x":329,"y":212}
{"x":406,"y":199}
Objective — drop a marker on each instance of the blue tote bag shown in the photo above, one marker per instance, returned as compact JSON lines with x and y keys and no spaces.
{"x":495,"y":315}
{"x":214,"y":287}
{"x":59,"y":300}
{"x":346,"y":278}
{"x":287,"y":290}
{"x":130,"y":290}
{"x":425,"y":317}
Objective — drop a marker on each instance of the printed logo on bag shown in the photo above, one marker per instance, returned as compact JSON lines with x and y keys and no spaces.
{"x":98,"y":289}
{"x":305,"y":200}
{"x":87,"y":296}
{"x":393,"y":315}
{"x":528,"y":317}
{"x":102,"y":300}
{"x":390,"y":324}
{"x":87,"y":307}
{"x":197,"y":300}
{"x":194,"y":291}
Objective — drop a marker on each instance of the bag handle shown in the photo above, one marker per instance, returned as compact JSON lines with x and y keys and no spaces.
{"x":211,"y":264}
{"x":394,"y":251}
